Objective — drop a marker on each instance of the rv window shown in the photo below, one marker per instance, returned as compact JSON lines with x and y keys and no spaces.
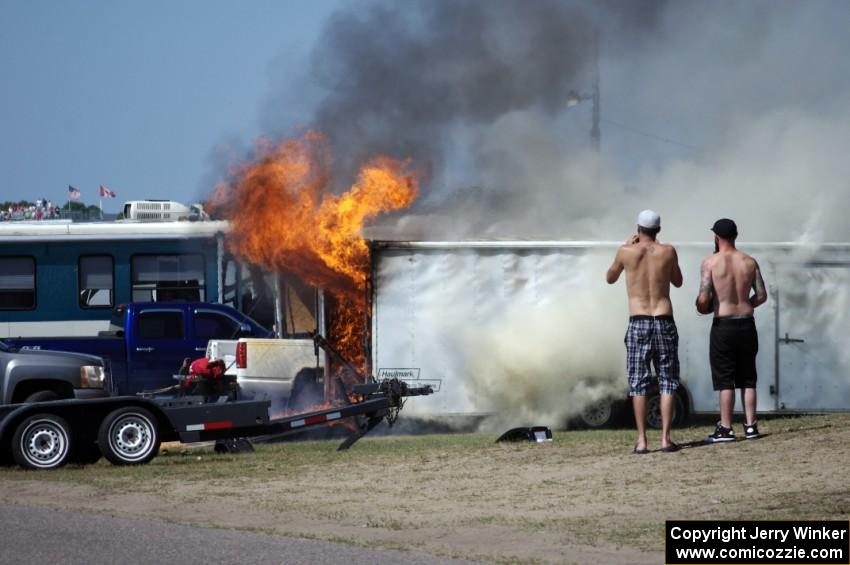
{"x":209,"y":325}
{"x":164,"y":278}
{"x":97,"y":281}
{"x":17,"y":283}
{"x":160,"y":325}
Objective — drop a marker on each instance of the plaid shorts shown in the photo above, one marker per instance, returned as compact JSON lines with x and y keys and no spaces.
{"x":652,"y":340}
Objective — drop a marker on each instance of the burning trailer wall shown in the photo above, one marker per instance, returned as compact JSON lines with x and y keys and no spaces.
{"x":530,"y":332}
{"x":285,"y":218}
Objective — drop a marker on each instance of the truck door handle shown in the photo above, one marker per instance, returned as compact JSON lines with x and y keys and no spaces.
{"x":787,"y":339}
{"x":146,"y":349}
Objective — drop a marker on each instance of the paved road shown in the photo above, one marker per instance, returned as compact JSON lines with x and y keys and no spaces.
{"x":43,"y":536}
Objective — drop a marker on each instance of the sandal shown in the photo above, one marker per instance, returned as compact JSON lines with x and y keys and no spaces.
{"x":637,"y":451}
{"x":672,"y":448}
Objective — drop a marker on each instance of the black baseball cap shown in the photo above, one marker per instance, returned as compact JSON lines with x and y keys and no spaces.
{"x":725,"y":228}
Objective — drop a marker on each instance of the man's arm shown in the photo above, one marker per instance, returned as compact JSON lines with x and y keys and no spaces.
{"x":676,"y":277}
{"x":760,"y":295}
{"x":616,"y":268}
{"x":705,"y":298}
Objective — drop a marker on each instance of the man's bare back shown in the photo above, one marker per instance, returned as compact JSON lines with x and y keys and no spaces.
{"x":727,"y":278}
{"x":651,"y":267}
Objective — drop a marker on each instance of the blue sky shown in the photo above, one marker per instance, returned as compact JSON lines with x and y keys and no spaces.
{"x":138,"y":96}
{"x":152,"y":99}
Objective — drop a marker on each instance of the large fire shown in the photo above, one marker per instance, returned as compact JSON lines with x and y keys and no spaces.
{"x":284,"y":217}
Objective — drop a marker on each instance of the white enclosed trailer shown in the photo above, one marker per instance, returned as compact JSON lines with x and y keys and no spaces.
{"x":500,"y":325}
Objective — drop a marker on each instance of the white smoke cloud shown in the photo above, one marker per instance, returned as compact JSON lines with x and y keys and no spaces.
{"x":542,"y":366}
{"x":731,"y":109}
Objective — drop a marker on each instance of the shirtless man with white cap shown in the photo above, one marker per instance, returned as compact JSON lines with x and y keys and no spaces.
{"x":651,"y":267}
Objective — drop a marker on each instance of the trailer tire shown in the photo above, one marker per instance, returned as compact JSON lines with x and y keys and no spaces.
{"x":42,"y":441}
{"x":129,"y":436}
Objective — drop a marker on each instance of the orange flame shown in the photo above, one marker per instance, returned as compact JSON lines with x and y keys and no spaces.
{"x":283,"y":216}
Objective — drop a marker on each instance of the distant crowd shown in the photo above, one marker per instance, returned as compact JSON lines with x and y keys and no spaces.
{"x":42,"y":209}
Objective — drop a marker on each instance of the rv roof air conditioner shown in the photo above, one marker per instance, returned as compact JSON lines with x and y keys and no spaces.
{"x":162,"y":211}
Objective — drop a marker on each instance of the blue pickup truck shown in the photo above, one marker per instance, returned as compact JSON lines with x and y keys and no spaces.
{"x":147,"y":342}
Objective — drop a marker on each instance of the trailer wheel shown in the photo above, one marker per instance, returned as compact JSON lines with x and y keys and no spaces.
{"x":129,"y":436}
{"x":42,"y":441}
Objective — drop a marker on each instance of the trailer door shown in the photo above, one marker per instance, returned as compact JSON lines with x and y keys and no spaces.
{"x":813,"y":352}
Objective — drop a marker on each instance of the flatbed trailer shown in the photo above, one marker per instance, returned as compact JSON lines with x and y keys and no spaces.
{"x":128,"y":430}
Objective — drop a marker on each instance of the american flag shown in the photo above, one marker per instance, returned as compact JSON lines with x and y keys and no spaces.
{"x":106,"y":192}
{"x":73,"y":193}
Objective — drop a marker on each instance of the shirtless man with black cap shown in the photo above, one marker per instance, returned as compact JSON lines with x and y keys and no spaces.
{"x":726,"y":280}
{"x":651,"y":338}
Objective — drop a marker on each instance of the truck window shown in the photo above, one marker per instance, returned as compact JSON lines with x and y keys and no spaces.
{"x":17,"y":283}
{"x":164,"y":278}
{"x":160,"y":325}
{"x":96,"y":280}
{"x":211,"y":325}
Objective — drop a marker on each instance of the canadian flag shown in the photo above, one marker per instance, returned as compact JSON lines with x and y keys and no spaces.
{"x":106,"y":192}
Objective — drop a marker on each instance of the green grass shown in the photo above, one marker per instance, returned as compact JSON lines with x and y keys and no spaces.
{"x":582,"y":489}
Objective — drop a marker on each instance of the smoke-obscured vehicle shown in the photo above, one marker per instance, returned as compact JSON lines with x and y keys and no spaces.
{"x":38,"y":376}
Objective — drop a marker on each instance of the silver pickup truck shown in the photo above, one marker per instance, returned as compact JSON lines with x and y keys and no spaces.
{"x":287,"y":372}
{"x":37,"y":375}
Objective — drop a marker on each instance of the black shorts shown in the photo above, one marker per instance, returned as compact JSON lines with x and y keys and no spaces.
{"x":732,"y":352}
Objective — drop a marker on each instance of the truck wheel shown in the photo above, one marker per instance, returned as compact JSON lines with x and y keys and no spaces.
{"x":605,"y":413}
{"x":42,"y":441}
{"x":597,"y":414}
{"x":306,"y":391}
{"x":653,"y":411}
{"x":129,"y":436}
{"x":42,"y":396}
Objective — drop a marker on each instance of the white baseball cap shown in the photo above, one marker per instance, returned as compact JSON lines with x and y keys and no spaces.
{"x":649,"y":219}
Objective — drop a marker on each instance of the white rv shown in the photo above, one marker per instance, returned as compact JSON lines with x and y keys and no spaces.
{"x":523,"y":326}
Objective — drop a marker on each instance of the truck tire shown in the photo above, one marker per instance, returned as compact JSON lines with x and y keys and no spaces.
{"x":42,"y":441}
{"x":605,"y":413}
{"x":129,"y":436}
{"x":599,"y":414}
{"x":653,"y":410}
{"x":306,"y":392}
{"x":42,"y":396}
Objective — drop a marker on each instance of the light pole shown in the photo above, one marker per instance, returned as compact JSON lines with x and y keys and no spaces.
{"x":574,"y":97}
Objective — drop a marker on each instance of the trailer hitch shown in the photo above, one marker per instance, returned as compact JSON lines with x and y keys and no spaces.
{"x":395,"y":392}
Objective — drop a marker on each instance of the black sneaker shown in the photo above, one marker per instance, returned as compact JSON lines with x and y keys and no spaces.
{"x":721,"y":434}
{"x":751,"y":431}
